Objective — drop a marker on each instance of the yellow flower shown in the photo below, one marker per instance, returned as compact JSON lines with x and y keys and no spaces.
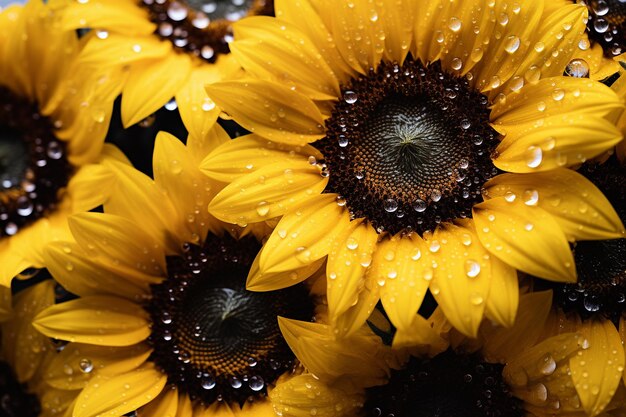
{"x":172,"y":48}
{"x":53,"y":118}
{"x":28,"y":354}
{"x":516,"y":372}
{"x":378,"y":131}
{"x":595,"y":306}
{"x":163,"y":315}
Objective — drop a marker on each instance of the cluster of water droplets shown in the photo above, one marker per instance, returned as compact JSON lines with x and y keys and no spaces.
{"x":605,"y":25}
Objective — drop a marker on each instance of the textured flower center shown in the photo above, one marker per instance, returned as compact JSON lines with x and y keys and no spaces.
{"x":601,"y":265}
{"x":202,"y":27}
{"x":607,"y":24}
{"x":33,"y":164}
{"x":409,"y":147}
{"x":214,"y":339}
{"x":14,"y":400}
{"x":450,"y":385}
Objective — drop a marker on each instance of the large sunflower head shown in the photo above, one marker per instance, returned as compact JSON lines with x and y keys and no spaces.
{"x":163,"y":321}
{"x":25,"y":356}
{"x":53,"y":119}
{"x":514,"y":372}
{"x":171,"y":48}
{"x":419,"y":145}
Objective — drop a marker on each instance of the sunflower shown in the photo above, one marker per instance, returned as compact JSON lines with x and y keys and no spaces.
{"x":619,"y":86}
{"x":25,"y":356}
{"x":515,"y":372}
{"x":596,"y":305}
{"x":53,"y":119}
{"x":171,"y":47}
{"x":417,"y":145}
{"x":163,"y":314}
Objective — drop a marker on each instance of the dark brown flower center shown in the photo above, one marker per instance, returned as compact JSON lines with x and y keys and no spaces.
{"x":202,"y":27}
{"x":409,"y":147}
{"x":33,"y":164}
{"x":449,"y":385}
{"x":607,"y":24}
{"x":214,"y":339}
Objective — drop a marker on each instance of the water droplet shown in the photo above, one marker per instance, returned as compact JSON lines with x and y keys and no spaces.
{"x":201,"y":21}
{"x":531,"y":197}
{"x":263,"y":208}
{"x":548,"y":365}
{"x":476,"y":299}
{"x":534,"y":156}
{"x":177,"y":11}
{"x":455,"y":24}
{"x":472,"y":268}
{"x":558,"y":94}
{"x":512,"y":44}
{"x":207,"y":381}
{"x":419,"y":206}
{"x":350,"y":97}
{"x":24,"y":206}
{"x":54,"y":150}
{"x":352,"y":243}
{"x":577,"y":68}
{"x":434,"y":246}
{"x":456,"y":63}
{"x":85,"y":365}
{"x":390,"y":205}
{"x":10,"y":229}
{"x":256,"y":383}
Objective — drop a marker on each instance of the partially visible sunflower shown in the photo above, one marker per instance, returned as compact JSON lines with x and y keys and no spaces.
{"x":53,"y":119}
{"x":172,"y":48}
{"x":163,"y":314}
{"x":418,"y":145}
{"x":595,"y":306}
{"x":26,"y":354}
{"x":517,"y":372}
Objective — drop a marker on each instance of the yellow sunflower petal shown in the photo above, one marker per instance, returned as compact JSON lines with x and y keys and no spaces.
{"x":258,"y":281}
{"x":151,"y":84}
{"x":398,"y":18}
{"x":555,"y":141}
{"x":22,"y":345}
{"x":348,"y":323}
{"x":185,"y":409}
{"x":420,"y":336}
{"x":76,"y":364}
{"x":270,"y":110}
{"x":77,"y":272}
{"x":305,"y":395}
{"x":559,"y":30}
{"x":11,"y":263}
{"x":401,"y":267}
{"x":427,"y":34}
{"x":554,"y":96}
{"x":503,"y":345}
{"x":106,"y":14}
{"x":525,"y":237}
{"x":98,"y":53}
{"x":313,"y":26}
{"x":165,"y":405}
{"x":276,"y":50}
{"x":249,"y":153}
{"x":507,"y":51}
{"x":118,"y":395}
{"x":148,"y":206}
{"x":329,"y":359}
{"x":201,"y":146}
{"x":269,"y":192}
{"x":350,"y":256}
{"x":90,"y":186}
{"x":197,"y":110}
{"x":359,"y":34}
{"x":304,"y":235}
{"x":503,"y":297}
{"x":119,"y":239}
{"x":462,"y":277}
{"x":98,"y":320}
{"x":580,"y":209}
{"x":175,"y":165}
{"x":597,"y":372}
